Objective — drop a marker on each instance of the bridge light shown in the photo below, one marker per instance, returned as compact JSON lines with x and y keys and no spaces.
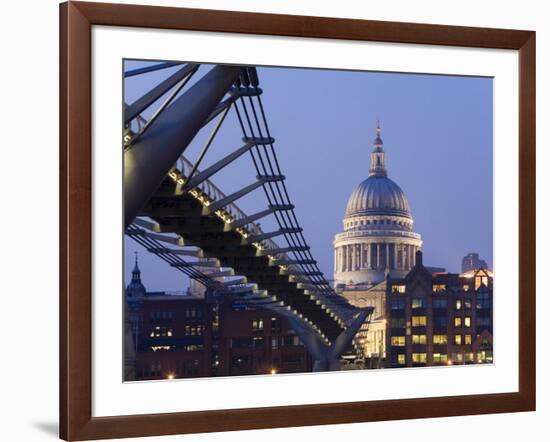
{"x":273,"y":371}
{"x":170,"y":376}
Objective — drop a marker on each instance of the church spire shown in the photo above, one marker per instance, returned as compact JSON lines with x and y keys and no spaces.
{"x":377,"y":167}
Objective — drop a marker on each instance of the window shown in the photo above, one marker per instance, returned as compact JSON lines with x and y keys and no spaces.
{"x":468,"y":357}
{"x":240,"y":343}
{"x":440,"y":321}
{"x":419,"y":339}
{"x":398,"y":341}
{"x":481,"y":281}
{"x":275,"y":325}
{"x":258,"y":341}
{"x":397,"y":323}
{"x":257,"y":325}
{"x":458,"y":339}
{"x":439,"y":303}
{"x":467,"y":304}
{"x":439,"y":287}
{"x":275,"y":343}
{"x":418,"y":321}
{"x":397,"y":304}
{"x":440,"y":339}
{"x":458,"y":321}
{"x":482,"y":300}
{"x":458,"y":304}
{"x":468,"y":339}
{"x":419,"y":358}
{"x":398,"y":289}
{"x":418,"y":303}
{"x":439,"y":358}
{"x":467,"y":321}
{"x":483,"y":322}
{"x":466,"y":287}
{"x":457,"y":357}
{"x":401,"y":359}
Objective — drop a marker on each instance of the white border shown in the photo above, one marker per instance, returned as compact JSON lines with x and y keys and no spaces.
{"x":112,"y":397}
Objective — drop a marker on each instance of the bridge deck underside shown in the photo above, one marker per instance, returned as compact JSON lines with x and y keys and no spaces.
{"x":183,"y":215}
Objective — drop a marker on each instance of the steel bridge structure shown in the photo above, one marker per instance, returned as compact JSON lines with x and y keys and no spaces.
{"x":174,"y":210}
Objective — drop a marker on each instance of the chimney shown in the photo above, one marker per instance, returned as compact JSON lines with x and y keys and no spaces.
{"x":418,"y":258}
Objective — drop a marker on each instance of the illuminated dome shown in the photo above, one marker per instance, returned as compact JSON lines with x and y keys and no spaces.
{"x":378,"y":195}
{"x":378,"y":237}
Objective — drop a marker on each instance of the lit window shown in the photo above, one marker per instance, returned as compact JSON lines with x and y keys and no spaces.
{"x":418,"y":321}
{"x":439,"y":287}
{"x":458,"y":339}
{"x":398,"y":289}
{"x":419,"y":339}
{"x":458,"y":304}
{"x":458,"y":357}
{"x":419,"y":358}
{"x":468,"y":339}
{"x":401,"y":359}
{"x":458,"y":321}
{"x":481,"y":281}
{"x":417,"y":303}
{"x":466,"y":287}
{"x":468,"y":357}
{"x":467,"y":321}
{"x":439,"y":358}
{"x":257,"y":325}
{"x":440,"y":339}
{"x":398,"y":341}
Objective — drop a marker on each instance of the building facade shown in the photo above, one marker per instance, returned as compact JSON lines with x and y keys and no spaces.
{"x":378,"y":240}
{"x":182,"y":335}
{"x":439,"y":318}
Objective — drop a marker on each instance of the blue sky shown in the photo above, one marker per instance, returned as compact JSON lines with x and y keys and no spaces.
{"x":438,"y":139}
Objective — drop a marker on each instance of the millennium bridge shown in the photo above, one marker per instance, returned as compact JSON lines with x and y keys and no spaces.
{"x":176,"y":212}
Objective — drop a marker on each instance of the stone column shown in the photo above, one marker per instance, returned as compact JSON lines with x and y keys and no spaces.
{"x":395,"y":256}
{"x":378,"y":255}
{"x":343,"y":258}
{"x":387,"y":255}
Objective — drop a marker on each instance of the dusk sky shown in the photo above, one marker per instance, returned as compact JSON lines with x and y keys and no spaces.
{"x":438,"y":139}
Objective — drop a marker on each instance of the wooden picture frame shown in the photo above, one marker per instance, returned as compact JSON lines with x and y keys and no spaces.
{"x":76,"y":20}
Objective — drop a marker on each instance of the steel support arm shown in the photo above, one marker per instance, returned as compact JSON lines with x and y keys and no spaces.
{"x":281,"y":250}
{"x":146,"y":69}
{"x":138,"y":106}
{"x":148,"y":161}
{"x":251,"y":218}
{"x":216,"y":205}
{"x":264,"y":236}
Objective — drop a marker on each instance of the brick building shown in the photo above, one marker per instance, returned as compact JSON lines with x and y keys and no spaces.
{"x":180,"y":335}
{"x":439,"y":318}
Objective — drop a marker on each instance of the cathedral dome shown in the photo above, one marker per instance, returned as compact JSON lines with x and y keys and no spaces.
{"x":378,"y":195}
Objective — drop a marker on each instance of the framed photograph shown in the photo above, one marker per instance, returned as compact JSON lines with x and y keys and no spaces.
{"x":274,"y":220}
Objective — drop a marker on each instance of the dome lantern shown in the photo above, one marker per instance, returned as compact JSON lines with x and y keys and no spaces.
{"x":377,"y":157}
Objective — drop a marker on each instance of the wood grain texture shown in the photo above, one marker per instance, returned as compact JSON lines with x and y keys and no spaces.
{"x":76,"y":19}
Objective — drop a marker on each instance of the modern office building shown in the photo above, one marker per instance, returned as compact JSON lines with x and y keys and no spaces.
{"x":439,"y":318}
{"x":472,"y":261}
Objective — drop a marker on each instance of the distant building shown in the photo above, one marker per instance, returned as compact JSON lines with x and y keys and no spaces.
{"x":471,"y":261}
{"x":438,"y":319}
{"x":181,"y":335}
